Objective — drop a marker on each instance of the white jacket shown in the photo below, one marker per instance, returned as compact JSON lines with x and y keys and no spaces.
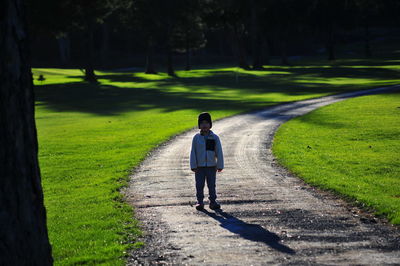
{"x":200,"y":156}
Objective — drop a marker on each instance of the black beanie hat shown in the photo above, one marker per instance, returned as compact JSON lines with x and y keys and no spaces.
{"x":205,"y":116}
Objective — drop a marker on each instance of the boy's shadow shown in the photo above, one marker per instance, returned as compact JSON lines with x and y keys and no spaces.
{"x":253,"y":232}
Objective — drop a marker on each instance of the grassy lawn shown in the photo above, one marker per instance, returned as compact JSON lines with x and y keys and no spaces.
{"x":354,"y":150}
{"x":91,"y":136}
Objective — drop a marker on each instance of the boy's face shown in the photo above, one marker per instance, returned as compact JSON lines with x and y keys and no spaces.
{"x":204,"y":125}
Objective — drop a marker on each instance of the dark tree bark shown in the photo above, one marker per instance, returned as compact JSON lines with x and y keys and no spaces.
{"x":266,"y":50}
{"x":284,"y":59}
{"x":330,"y":45}
{"x":368,"y":52}
{"x":281,"y":35}
{"x":221,"y":43}
{"x":239,"y":49}
{"x":188,"y":65}
{"x":170,"y":68}
{"x":256,"y":42}
{"x":23,"y":232}
{"x":105,"y":43}
{"x":169,"y":30}
{"x":64,"y":48}
{"x":149,"y":58}
{"x":90,"y":76}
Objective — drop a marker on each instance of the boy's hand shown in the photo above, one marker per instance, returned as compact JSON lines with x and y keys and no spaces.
{"x":219,"y":170}
{"x":194,"y":169}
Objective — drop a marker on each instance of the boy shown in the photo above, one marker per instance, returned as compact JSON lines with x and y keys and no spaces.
{"x":206,"y":158}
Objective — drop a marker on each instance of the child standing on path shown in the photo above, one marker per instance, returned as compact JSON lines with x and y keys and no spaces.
{"x":206,"y":158}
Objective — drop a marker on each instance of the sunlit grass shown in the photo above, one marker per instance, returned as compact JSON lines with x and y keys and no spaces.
{"x":351,"y":147}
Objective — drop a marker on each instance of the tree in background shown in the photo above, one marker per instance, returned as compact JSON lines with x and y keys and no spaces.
{"x":86,"y":15}
{"x":46,"y":17}
{"x":372,"y":13}
{"x":188,"y":34}
{"x":256,"y":38}
{"x":143,"y":15}
{"x":231,"y":16}
{"x":63,"y":16}
{"x":329,"y":17}
{"x":255,"y":28}
{"x":23,"y":231}
{"x":161,"y":22}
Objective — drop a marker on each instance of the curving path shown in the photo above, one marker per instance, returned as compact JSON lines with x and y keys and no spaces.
{"x":268,"y":216}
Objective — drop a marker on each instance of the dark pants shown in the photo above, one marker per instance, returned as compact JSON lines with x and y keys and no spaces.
{"x":202,"y":174}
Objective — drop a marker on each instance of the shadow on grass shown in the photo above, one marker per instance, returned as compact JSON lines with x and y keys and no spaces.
{"x":252,"y":232}
{"x":112,"y":100}
{"x":215,"y":90}
{"x":299,"y":77}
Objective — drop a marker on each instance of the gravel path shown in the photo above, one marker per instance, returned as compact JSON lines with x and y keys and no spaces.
{"x":268,"y":216}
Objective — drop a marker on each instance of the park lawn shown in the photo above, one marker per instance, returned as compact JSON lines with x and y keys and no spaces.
{"x":91,"y":136}
{"x":354,"y":151}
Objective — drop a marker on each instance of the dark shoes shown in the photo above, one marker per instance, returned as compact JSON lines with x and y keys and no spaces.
{"x":199,"y":206}
{"x":214,"y":205}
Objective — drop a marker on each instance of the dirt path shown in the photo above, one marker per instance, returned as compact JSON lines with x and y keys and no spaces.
{"x":268,"y":216}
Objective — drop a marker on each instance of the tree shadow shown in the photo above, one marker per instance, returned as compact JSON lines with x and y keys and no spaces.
{"x":252,"y":232}
{"x":112,"y":100}
{"x":216,"y":89}
{"x":300,"y":80}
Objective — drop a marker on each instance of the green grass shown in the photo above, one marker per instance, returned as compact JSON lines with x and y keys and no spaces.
{"x":354,"y":150}
{"x":91,"y":136}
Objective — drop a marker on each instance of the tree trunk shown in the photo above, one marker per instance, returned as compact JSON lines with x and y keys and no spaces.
{"x":170,"y":68}
{"x":271,"y":45}
{"x":331,"y":52}
{"x":368,"y":52}
{"x":266,"y":50}
{"x":331,"y":43}
{"x":221,"y":43}
{"x":23,"y":232}
{"x":188,"y":66}
{"x":256,"y":46}
{"x":257,"y":62}
{"x":284,"y":59}
{"x":90,"y":76}
{"x":105,"y":44}
{"x":169,"y":29}
{"x":149,"y":58}
{"x":240,"y":49}
{"x":64,"y":48}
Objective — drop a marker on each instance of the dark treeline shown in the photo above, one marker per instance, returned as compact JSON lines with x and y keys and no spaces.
{"x":158,"y":35}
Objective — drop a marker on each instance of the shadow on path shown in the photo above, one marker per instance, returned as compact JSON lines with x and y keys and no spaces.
{"x":253,"y":232}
